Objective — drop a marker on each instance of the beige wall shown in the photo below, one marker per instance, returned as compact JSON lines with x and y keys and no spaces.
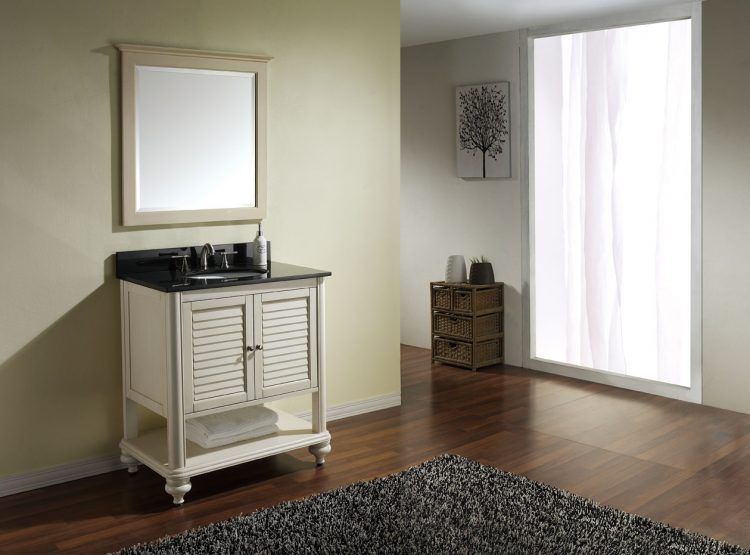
{"x":726,"y":204}
{"x":443,"y":215}
{"x":440,"y":213}
{"x":333,"y":195}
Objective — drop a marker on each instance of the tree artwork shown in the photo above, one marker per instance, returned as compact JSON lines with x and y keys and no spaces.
{"x":482,"y":128}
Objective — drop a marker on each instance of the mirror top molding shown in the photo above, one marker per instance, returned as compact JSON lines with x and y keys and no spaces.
{"x":193,"y":135}
{"x":190,"y":52}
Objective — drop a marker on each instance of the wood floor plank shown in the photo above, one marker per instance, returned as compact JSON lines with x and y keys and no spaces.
{"x":676,"y":462}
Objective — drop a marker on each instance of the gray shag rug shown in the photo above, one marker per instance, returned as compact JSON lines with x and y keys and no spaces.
{"x":446,"y":505}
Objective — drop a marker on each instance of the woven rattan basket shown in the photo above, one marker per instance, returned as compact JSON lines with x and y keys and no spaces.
{"x":441,"y":297}
{"x":454,"y":351}
{"x":466,"y":327}
{"x":482,"y":299}
{"x":461,"y":353}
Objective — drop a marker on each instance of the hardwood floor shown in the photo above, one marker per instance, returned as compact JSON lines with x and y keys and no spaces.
{"x":679,"y":463}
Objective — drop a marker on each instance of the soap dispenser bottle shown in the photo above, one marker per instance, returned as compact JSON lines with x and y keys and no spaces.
{"x":260,"y":250}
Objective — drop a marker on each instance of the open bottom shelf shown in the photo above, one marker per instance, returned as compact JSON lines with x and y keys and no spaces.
{"x":150,"y":448}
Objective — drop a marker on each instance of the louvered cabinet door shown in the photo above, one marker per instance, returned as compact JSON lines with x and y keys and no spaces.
{"x":218,"y":368}
{"x":286,"y":331}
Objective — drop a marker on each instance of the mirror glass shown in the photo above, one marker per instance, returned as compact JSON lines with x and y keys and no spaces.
{"x":195,"y":139}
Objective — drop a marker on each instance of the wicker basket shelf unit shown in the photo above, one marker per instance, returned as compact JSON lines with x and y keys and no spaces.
{"x":467,"y":324}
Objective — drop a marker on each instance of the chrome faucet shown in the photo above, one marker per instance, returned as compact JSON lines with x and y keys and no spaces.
{"x":206,"y":251}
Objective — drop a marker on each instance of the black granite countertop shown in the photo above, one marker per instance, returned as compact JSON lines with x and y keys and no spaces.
{"x":159,"y":269}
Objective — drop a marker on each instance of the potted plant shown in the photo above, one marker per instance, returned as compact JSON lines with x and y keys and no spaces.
{"x":481,"y":271}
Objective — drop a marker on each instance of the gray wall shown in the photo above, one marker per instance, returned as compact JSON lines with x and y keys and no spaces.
{"x":440,"y":213}
{"x":726,"y":204}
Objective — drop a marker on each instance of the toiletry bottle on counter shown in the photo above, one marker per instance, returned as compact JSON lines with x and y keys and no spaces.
{"x":260,"y":251}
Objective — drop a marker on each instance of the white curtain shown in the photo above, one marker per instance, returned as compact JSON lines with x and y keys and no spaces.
{"x":612,"y":201}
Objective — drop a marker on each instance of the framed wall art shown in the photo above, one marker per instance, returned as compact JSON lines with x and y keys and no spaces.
{"x":483,"y":130}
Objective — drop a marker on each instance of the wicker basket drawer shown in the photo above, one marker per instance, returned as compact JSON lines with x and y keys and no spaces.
{"x":477,"y":300}
{"x":454,"y":351}
{"x":441,"y":297}
{"x":466,"y":354}
{"x":465,"y":327}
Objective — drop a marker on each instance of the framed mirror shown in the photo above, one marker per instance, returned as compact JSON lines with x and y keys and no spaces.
{"x":193,"y":136}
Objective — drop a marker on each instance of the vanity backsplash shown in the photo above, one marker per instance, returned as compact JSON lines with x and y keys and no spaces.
{"x":170,"y":259}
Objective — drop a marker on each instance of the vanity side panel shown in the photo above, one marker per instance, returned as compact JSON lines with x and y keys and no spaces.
{"x":319,"y":397}
{"x":145,"y":330}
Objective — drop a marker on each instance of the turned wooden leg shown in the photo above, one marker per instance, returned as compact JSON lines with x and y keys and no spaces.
{"x":130,"y":461}
{"x":178,"y":488}
{"x":320,"y":451}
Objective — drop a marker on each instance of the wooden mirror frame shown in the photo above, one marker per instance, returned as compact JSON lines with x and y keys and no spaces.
{"x":138,"y":55}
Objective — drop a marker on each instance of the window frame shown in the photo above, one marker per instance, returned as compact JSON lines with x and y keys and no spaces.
{"x":693,"y":11}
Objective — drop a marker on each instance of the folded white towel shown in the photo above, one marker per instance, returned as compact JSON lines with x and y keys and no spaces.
{"x":222,"y":428}
{"x":208,"y":442}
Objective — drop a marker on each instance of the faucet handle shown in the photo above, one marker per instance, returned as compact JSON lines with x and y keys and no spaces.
{"x":185,"y":266}
{"x":224,"y":262}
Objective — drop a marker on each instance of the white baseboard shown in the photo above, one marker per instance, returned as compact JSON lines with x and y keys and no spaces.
{"x":345,"y":410}
{"x":16,"y":483}
{"x":27,"y":481}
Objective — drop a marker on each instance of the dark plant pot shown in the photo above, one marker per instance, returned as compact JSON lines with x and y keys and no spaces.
{"x":481,"y":273}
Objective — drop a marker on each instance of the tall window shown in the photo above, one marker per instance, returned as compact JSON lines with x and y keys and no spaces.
{"x":611,"y":200}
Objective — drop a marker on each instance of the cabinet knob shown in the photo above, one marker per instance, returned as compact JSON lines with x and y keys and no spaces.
{"x":250,"y":348}
{"x":259,"y":347}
